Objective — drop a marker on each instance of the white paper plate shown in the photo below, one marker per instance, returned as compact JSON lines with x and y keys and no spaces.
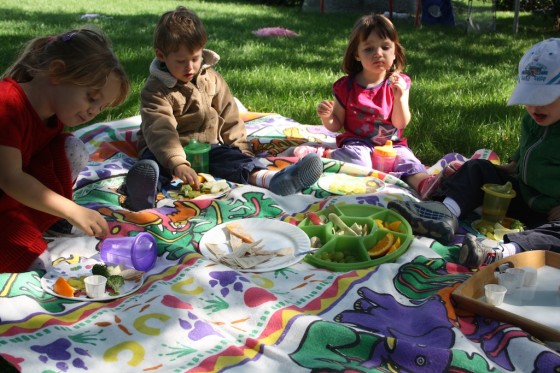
{"x":67,"y":270}
{"x":275,"y":234}
{"x":174,"y":188}
{"x":344,"y":184}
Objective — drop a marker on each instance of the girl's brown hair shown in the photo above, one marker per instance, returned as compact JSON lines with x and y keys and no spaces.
{"x":363,"y":27}
{"x":179,"y":27}
{"x":87,"y":60}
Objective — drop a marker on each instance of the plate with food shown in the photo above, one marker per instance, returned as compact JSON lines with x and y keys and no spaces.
{"x":255,"y":244}
{"x":496,"y":231}
{"x":66,"y":280}
{"x":209,"y":188}
{"x":343,"y":184}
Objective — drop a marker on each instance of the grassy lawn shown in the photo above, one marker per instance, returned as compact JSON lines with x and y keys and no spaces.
{"x":461,"y":81}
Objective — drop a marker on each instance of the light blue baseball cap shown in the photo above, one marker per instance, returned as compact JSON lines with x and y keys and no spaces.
{"x":538,"y":80}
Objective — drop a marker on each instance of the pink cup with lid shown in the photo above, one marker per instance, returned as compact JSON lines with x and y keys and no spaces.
{"x":383,"y":157}
{"x":135,"y":252}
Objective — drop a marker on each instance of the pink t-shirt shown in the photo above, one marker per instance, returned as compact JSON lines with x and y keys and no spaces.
{"x":368,"y":110}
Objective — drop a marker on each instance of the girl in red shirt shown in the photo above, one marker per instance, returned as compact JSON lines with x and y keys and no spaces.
{"x":57,"y":81}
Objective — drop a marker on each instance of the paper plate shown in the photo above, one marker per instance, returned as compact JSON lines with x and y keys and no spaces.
{"x":489,"y":229}
{"x":275,"y":234}
{"x":173,"y":191}
{"x":68,"y":270}
{"x":344,"y":184}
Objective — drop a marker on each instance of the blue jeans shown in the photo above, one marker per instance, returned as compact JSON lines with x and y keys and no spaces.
{"x":226,"y":162}
{"x":465,"y":188}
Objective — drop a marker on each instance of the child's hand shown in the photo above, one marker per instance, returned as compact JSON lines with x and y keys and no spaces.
{"x":325,"y":108}
{"x":398,"y":85}
{"x":89,"y":221}
{"x":187,"y":175}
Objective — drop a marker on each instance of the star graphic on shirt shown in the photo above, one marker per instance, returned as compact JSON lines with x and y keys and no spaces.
{"x":365,"y":129}
{"x":384,"y":133}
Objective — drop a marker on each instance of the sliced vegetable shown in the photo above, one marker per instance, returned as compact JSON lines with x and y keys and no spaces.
{"x":340,"y":224}
{"x":314,"y":218}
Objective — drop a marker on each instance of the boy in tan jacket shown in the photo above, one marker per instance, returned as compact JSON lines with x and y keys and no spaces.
{"x":185,"y":99}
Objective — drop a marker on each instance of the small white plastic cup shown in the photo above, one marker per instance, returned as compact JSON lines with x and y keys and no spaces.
{"x":95,"y":286}
{"x":508,"y":280}
{"x":528,"y":293}
{"x":519,"y":276}
{"x":494,"y":294}
{"x":530,"y":276}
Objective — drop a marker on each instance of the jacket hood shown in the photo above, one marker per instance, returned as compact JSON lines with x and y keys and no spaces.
{"x":209,"y":59}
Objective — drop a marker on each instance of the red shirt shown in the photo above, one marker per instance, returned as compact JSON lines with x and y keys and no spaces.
{"x":43,"y":156}
{"x":20,"y":125}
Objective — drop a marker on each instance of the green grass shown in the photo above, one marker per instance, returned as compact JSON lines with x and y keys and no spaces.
{"x":461,"y":81}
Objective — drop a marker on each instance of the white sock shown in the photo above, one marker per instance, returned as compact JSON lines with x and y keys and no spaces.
{"x":452,"y":206}
{"x":509,"y":249}
{"x":263,"y":177}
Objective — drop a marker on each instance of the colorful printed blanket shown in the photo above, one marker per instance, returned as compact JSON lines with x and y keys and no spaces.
{"x":194,"y":315}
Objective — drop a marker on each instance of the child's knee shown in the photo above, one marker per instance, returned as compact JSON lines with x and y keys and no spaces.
{"x":77,"y":155}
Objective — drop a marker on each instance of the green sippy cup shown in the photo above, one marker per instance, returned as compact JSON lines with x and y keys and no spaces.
{"x":197,"y":154}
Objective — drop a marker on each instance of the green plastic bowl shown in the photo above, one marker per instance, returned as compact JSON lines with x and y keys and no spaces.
{"x":343,"y":252}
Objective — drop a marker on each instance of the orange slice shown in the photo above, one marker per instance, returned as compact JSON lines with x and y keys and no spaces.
{"x":395,"y":245}
{"x":62,"y":287}
{"x":394,"y":226}
{"x":382,"y":246}
{"x":379,"y":223}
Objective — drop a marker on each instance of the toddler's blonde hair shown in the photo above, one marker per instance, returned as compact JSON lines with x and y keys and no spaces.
{"x":87,"y":60}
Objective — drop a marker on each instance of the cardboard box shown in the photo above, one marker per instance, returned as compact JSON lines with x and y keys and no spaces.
{"x":469,"y":295}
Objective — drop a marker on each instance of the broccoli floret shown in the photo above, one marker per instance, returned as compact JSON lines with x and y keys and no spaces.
{"x":100,"y":269}
{"x":115,"y":282}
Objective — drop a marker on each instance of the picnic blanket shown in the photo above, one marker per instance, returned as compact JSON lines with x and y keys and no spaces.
{"x":192,"y":314}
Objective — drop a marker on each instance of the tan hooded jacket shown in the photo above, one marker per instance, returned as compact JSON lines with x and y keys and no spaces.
{"x":173,"y":112}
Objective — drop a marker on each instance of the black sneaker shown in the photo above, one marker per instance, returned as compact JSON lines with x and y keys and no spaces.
{"x":141,"y":185}
{"x":61,"y":228}
{"x":428,"y":218}
{"x":477,"y":251}
{"x":298,"y":176}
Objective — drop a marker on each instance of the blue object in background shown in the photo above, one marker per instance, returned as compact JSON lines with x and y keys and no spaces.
{"x":437,"y":12}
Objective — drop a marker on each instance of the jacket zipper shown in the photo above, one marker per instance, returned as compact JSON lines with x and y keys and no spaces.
{"x":528,"y":153}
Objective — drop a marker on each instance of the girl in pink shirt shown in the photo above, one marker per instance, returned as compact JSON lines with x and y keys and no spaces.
{"x":371,"y":104}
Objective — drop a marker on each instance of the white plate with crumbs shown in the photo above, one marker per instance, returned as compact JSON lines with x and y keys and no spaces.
{"x":274,"y":236}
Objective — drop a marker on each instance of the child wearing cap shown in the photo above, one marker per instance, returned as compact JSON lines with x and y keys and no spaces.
{"x":533,"y":170}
